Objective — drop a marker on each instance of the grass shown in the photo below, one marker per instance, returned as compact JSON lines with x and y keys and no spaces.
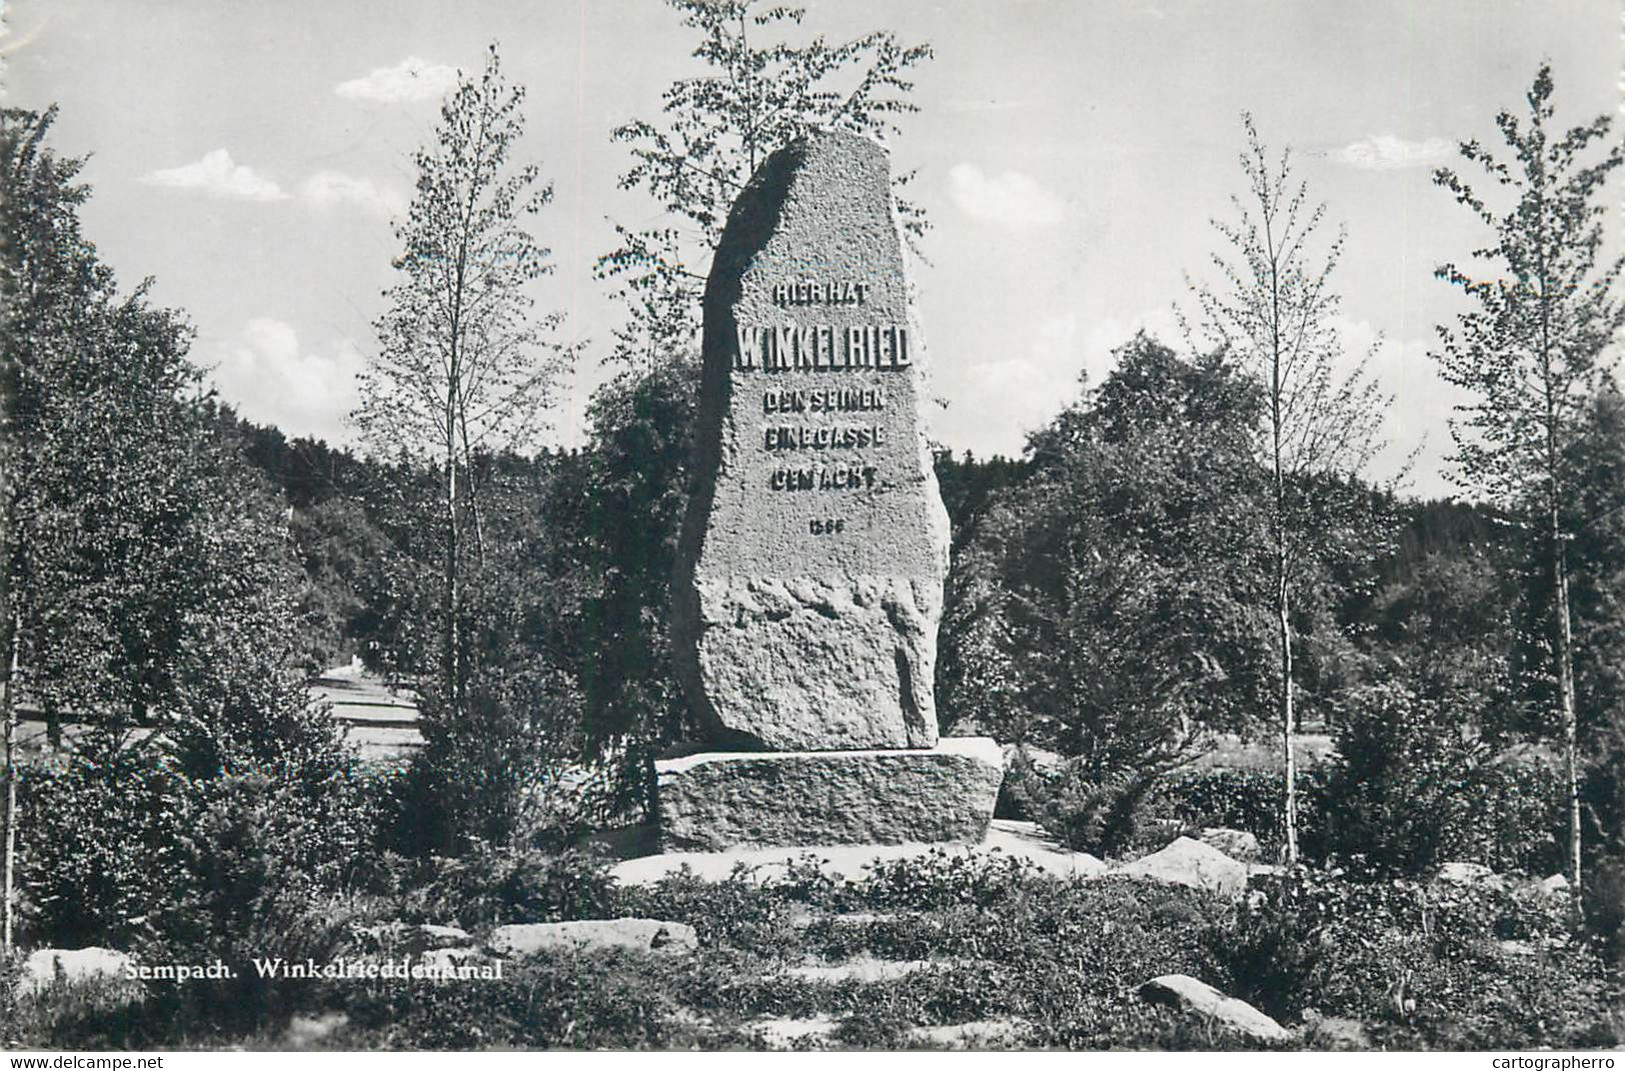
{"x":1058,"y":961}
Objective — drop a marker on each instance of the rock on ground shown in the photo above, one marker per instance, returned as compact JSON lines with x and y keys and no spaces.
{"x":450,"y":958}
{"x":862,"y":969}
{"x":642,"y":935}
{"x":1185,"y":993}
{"x":307,"y":1030}
{"x":848,"y":862}
{"x":1334,"y":1032}
{"x":74,"y":964}
{"x":1238,"y":844}
{"x":1189,"y":862}
{"x":413,"y":938}
{"x":1040,"y":759}
{"x":1470,"y":875}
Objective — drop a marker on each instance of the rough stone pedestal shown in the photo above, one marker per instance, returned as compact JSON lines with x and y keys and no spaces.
{"x":717,"y":800}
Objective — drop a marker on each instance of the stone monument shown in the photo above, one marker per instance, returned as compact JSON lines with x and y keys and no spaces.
{"x":809,"y":580}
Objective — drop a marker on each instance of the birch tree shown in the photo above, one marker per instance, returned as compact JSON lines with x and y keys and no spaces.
{"x":1275,"y":313}
{"x":463,"y":364}
{"x":1534,"y":350}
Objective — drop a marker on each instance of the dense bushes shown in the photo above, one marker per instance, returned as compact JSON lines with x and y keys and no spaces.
{"x":1440,"y":966}
{"x":1404,"y":793}
{"x":125,"y":851}
{"x":1104,"y":817}
{"x":1414,"y":787}
{"x":97,"y":849}
{"x":1249,"y":799}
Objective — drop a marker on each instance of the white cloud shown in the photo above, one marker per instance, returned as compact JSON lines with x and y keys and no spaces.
{"x":270,"y":378}
{"x":1385,"y":152}
{"x":1011,"y":199}
{"x":327,"y":189}
{"x":410,"y":79}
{"x":219,"y":176}
{"x":1000,"y":401}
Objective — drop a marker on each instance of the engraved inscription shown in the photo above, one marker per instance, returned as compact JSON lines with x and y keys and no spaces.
{"x":828,"y":437}
{"x":792,"y":347}
{"x":827,"y":292}
{"x":830,"y":400}
{"x":833,"y":478}
{"x":800,"y":346}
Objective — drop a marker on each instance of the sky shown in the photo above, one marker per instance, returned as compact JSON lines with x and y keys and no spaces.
{"x":1071,"y":156}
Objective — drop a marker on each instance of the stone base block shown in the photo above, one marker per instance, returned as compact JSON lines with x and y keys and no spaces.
{"x":717,"y":800}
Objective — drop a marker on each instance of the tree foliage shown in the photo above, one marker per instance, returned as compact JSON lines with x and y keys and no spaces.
{"x":147,"y":566}
{"x":1275,"y":315}
{"x":1532,"y":350}
{"x":1105,"y":607}
{"x":463,"y":365}
{"x":759,"y":93}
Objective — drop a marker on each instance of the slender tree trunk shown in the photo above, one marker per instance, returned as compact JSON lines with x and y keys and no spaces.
{"x":1283,"y":613}
{"x":8,"y":707}
{"x":1565,"y":679}
{"x":450,"y":637}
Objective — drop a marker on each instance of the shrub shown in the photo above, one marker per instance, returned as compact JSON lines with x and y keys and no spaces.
{"x":507,"y":764}
{"x":605,"y":1000}
{"x":258,"y":879}
{"x":942,"y":878}
{"x":492,"y":885}
{"x":1103,"y":817}
{"x":1423,"y":964}
{"x":1026,"y":788}
{"x":737,"y":912}
{"x":1412,"y":788}
{"x":96,"y":847}
{"x":1249,"y":799}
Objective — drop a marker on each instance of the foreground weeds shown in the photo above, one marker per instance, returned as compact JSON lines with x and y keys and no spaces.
{"x":1043,"y":962}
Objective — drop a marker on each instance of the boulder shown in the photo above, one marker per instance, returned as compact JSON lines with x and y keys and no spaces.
{"x":1192,"y":863}
{"x":44,"y":965}
{"x":809,"y":576}
{"x":1469,"y":875}
{"x":1040,"y":759}
{"x":720,"y":800}
{"x":862,"y":969}
{"x":641,"y":935}
{"x":307,"y":1031}
{"x":1238,"y":844}
{"x":1185,"y":993}
{"x":445,"y":959}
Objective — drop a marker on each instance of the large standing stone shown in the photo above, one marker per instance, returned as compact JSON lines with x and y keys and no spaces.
{"x":809,"y":580}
